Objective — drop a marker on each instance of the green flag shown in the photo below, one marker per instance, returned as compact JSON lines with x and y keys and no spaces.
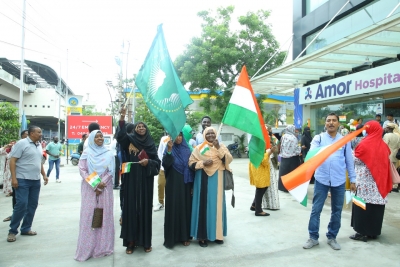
{"x":161,"y":88}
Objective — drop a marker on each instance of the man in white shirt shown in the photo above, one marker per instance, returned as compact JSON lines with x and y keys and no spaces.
{"x":161,"y":176}
{"x":390,"y":119}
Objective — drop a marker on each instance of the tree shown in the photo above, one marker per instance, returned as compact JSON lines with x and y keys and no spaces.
{"x":9,"y":123}
{"x":214,"y":60}
{"x":193,"y":118}
{"x":142,"y":113}
{"x":91,"y":111}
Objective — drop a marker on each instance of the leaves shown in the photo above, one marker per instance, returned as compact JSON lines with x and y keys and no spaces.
{"x":9,"y":123}
{"x":214,"y":60}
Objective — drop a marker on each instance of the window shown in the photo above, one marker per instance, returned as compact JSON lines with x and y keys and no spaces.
{"x":354,"y":22}
{"x":311,"y":5}
{"x":24,"y":105}
{"x":35,"y":106}
{"x":30,"y":106}
{"x":43,"y":106}
{"x":48,"y":106}
{"x":226,"y":136}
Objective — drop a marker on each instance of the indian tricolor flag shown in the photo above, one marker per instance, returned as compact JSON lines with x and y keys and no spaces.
{"x":297,"y":181}
{"x":203,"y":148}
{"x":243,"y":113}
{"x":359,"y":202}
{"x":126,"y":167}
{"x":93,"y":179}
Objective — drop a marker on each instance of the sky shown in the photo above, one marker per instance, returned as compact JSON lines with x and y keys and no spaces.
{"x":81,"y":38}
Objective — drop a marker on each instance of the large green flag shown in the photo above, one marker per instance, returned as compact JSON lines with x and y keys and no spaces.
{"x":161,"y":88}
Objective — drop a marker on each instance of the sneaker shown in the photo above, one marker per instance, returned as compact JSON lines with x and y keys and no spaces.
{"x":310,"y":243}
{"x":58,"y":181}
{"x":334,"y":245}
{"x":159,"y":207}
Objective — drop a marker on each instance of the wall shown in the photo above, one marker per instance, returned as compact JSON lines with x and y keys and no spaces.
{"x":43,"y":102}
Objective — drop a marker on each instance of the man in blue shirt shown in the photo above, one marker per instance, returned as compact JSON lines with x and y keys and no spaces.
{"x":53,"y":149}
{"x":330,"y":176}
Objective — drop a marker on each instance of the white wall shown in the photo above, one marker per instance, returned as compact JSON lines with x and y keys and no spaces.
{"x":43,"y":102}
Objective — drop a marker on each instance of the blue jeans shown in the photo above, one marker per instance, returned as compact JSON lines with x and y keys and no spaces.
{"x":337,"y":199}
{"x":27,"y":195}
{"x":51,"y":163}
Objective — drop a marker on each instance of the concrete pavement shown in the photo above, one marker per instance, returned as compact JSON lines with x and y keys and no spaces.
{"x":253,"y":241}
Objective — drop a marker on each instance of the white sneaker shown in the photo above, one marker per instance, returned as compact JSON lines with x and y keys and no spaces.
{"x":58,"y":181}
{"x":159,"y":207}
{"x":334,"y":245}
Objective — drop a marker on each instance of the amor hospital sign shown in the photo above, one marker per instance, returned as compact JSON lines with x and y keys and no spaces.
{"x":369,"y":81}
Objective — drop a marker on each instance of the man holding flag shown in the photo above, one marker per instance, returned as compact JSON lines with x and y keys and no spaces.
{"x":330,"y":176}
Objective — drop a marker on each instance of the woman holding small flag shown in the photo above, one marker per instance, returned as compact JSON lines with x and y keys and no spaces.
{"x":209,"y":160}
{"x":143,"y":164}
{"x":289,"y":152}
{"x":373,"y":181}
{"x":178,"y":199}
{"x":96,"y":167}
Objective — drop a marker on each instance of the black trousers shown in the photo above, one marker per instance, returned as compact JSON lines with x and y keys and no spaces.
{"x":116,"y":177}
{"x":258,"y":199}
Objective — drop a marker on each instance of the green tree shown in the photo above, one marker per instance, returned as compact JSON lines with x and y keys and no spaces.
{"x":214,"y":60}
{"x":193,"y":118}
{"x":91,"y":111}
{"x":9,"y":123}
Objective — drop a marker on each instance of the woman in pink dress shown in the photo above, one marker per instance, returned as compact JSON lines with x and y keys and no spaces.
{"x":96,"y":242}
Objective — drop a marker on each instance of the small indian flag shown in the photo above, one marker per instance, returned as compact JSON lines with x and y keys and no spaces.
{"x":204,"y":147}
{"x":93,"y":179}
{"x":126,"y":167}
{"x":359,"y":202}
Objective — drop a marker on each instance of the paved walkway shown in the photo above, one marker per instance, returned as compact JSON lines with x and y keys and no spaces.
{"x":252,"y":241}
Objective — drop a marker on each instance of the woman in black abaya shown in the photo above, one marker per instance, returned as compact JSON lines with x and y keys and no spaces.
{"x":137,"y":196}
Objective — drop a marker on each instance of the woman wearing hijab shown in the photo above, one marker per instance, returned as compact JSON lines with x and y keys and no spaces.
{"x":209,"y":160}
{"x":178,"y":199}
{"x":96,"y":242}
{"x":137,"y":208}
{"x":373,"y":183}
{"x":306,"y":141}
{"x":289,"y":152}
{"x":356,"y":140}
{"x":271,"y":196}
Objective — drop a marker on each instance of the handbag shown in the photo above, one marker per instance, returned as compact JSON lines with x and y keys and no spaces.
{"x":228,"y":180}
{"x":97,"y":221}
{"x":395,"y":174}
{"x":229,"y":184}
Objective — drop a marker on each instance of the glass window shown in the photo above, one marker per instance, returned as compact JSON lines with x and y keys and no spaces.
{"x":311,"y":5}
{"x":365,"y":108}
{"x":360,"y":19}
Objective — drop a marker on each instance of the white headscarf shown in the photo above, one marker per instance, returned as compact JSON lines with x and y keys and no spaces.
{"x":99,"y":158}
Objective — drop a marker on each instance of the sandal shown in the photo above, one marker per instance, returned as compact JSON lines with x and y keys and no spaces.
{"x":147,"y":250}
{"x":203,"y":243}
{"x":130,"y":247}
{"x":253,"y":208}
{"x":11,"y":238}
{"x":359,"y":237}
{"x":129,"y":250}
{"x":7,"y":219}
{"x":31,"y":233}
{"x":186,"y":243}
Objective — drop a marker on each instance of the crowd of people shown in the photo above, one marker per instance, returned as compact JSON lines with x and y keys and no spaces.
{"x":191,"y":182}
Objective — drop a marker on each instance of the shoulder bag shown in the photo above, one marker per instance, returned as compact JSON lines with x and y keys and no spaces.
{"x":97,"y":221}
{"x":229,"y":184}
{"x":395,"y":174}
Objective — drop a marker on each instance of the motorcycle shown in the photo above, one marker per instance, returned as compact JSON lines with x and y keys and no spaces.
{"x":75,"y":158}
{"x":246,"y":151}
{"x":234,"y":149}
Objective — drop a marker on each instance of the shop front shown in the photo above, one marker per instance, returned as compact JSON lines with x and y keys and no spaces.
{"x":361,"y":95}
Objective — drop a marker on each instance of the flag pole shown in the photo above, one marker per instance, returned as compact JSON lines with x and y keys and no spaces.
{"x":219,"y":130}
{"x":126,"y":101}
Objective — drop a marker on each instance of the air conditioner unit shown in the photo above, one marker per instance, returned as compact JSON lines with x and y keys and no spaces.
{"x":31,"y":88}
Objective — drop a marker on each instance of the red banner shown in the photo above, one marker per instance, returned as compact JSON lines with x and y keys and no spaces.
{"x":78,"y":125}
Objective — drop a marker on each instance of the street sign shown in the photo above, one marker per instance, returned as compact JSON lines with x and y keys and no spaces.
{"x":78,"y":125}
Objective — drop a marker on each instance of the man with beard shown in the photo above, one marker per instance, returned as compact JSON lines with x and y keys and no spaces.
{"x":54,"y":149}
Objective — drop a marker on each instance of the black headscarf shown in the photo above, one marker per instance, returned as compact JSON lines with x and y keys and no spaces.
{"x":145,"y":141}
{"x":307,"y":134}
